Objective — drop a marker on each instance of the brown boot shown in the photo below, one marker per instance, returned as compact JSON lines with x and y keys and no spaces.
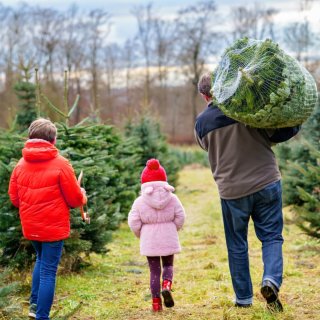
{"x":166,"y":293}
{"x":156,"y":305}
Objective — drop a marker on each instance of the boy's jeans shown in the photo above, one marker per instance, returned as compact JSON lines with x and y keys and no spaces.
{"x":265,"y":209}
{"x":44,"y":276}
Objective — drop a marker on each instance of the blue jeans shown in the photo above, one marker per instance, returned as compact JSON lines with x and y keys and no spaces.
{"x":265,"y":209}
{"x":44,"y":276}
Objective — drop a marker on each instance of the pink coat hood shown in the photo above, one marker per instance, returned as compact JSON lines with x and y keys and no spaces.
{"x":156,"y":194}
{"x":155,"y":217}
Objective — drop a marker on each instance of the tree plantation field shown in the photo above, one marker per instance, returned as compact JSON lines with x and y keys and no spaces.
{"x":116,"y":286}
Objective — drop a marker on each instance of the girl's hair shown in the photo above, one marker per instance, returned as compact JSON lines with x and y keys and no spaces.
{"x":42,"y":129}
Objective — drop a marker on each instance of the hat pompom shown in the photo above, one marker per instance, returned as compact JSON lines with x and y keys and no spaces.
{"x":153,"y":171}
{"x":153,"y":164}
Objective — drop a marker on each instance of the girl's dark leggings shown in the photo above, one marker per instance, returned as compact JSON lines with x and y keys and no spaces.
{"x":155,"y":272}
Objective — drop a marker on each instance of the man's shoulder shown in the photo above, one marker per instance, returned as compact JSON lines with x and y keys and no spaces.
{"x":210,"y":119}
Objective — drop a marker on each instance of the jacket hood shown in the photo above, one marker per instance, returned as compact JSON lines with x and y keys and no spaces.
{"x":156,"y":194}
{"x":39,"y":150}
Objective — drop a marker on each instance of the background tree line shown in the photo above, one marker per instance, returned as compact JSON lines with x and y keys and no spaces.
{"x":157,"y":69}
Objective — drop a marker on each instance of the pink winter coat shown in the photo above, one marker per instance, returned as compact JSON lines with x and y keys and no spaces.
{"x":155,"y":218}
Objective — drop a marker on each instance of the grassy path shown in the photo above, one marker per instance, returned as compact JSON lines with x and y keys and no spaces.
{"x":116,"y":286}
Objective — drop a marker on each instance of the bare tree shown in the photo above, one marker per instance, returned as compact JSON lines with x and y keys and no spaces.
{"x":98,"y":28}
{"x":14,"y":33}
{"x":111,"y":59}
{"x":195,"y":37}
{"x":144,"y":17}
{"x":163,"y":47}
{"x":298,"y":35}
{"x":254,"y":22}
{"x":72,"y":55}
{"x":297,"y":38}
{"x":48,"y":28}
{"x":128,"y":58}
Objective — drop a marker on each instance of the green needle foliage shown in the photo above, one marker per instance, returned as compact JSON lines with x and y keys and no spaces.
{"x":9,"y":306}
{"x":26,"y":94}
{"x":300,"y":166}
{"x":145,"y":134}
{"x":111,"y":166}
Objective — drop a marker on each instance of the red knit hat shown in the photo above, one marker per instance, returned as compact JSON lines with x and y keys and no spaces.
{"x":153,"y":172}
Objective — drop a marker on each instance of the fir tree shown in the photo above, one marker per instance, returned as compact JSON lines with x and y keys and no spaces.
{"x":309,"y":212}
{"x":146,"y":135}
{"x":26,"y":93}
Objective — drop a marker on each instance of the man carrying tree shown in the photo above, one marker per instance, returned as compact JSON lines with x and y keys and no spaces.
{"x":248,"y":178}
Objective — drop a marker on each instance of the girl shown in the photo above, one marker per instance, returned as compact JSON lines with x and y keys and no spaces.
{"x":155,"y":218}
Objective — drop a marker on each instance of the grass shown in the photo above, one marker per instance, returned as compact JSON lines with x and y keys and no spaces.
{"x":116,"y":286}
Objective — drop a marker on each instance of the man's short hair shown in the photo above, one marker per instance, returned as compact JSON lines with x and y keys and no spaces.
{"x":204,"y":84}
{"x":42,"y":129}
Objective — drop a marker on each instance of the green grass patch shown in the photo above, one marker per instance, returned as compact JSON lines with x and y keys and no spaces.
{"x":116,"y":286}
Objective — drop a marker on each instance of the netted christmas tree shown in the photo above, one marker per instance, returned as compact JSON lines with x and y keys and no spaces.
{"x":258,"y":84}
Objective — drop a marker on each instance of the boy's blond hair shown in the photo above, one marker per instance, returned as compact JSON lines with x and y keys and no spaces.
{"x":42,"y":129}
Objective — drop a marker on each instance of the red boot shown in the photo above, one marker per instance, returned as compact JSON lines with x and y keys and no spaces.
{"x":166,"y":293}
{"x":156,"y":304}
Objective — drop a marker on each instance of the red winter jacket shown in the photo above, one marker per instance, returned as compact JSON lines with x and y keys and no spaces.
{"x":43,"y":186}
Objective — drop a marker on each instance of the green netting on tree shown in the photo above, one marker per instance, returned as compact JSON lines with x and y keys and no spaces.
{"x":258,"y":84}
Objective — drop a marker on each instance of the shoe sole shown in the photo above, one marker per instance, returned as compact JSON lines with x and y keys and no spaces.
{"x":273,"y":303}
{"x":32,"y":315}
{"x":167,"y":298}
{"x":238,"y":305}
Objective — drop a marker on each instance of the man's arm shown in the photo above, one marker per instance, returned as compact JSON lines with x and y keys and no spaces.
{"x":200,"y":142}
{"x":282,"y":134}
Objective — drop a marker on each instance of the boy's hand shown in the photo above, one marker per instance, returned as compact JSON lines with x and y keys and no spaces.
{"x":84,"y":195}
{"x":86,"y":218}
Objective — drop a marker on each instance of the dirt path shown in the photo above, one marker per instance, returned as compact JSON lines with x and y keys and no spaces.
{"x":116,"y":286}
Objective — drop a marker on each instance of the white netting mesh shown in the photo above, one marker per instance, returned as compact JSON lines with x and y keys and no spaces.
{"x":258,"y":84}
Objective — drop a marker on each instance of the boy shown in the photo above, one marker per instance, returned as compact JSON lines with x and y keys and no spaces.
{"x":43,"y":186}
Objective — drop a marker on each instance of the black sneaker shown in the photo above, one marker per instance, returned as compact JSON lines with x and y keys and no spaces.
{"x":270,"y":292}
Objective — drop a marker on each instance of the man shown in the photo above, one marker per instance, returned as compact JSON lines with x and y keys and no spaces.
{"x":248,"y":178}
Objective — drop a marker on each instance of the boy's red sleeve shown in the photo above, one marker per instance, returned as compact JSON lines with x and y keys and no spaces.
{"x":13,"y":189}
{"x":70,"y":188}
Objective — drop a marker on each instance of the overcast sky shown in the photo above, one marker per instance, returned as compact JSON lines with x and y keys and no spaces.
{"x":124,"y":24}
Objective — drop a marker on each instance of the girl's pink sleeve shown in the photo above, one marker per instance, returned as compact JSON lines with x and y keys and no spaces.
{"x":179,"y":214}
{"x":134,"y":220}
